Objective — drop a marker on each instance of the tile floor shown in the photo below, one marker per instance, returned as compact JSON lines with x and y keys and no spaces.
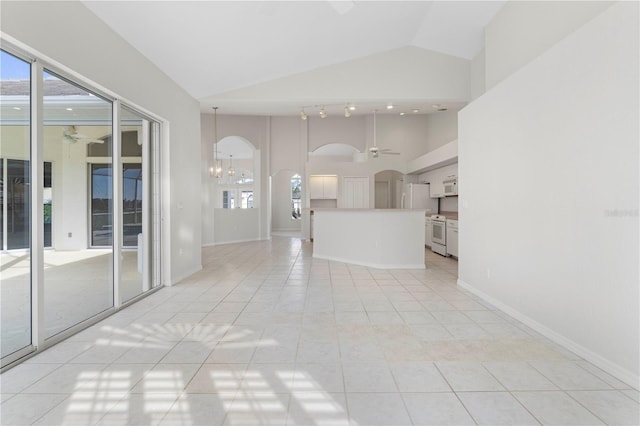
{"x":267,"y":335}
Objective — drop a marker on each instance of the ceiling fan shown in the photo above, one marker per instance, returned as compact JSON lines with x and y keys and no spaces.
{"x":70,"y":135}
{"x":374,"y":150}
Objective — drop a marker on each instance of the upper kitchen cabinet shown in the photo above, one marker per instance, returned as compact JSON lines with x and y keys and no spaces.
{"x":437,"y":179}
{"x":436,"y":189}
{"x":322,"y":187}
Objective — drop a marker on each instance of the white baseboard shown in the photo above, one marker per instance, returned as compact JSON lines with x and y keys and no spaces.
{"x":608,"y":366}
{"x":370,"y":265}
{"x":220,"y":243}
{"x":176,"y":280}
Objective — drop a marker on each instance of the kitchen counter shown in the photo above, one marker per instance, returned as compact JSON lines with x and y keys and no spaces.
{"x":377,"y":238}
{"x":450,"y":215}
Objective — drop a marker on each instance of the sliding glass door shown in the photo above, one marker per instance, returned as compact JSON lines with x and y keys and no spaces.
{"x":77,"y":278}
{"x":79,"y":209}
{"x":15,"y":153}
{"x":136,"y":148}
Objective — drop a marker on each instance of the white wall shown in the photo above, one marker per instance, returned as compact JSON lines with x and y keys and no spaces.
{"x":235,"y":225}
{"x":281,"y":218}
{"x":522,"y":30}
{"x":406,"y":73}
{"x":559,"y":141}
{"x":288,"y":150}
{"x":80,"y":49}
{"x":477,"y":76}
{"x":288,"y":157}
{"x":216,"y":222}
{"x":440,"y":129}
{"x":349,"y":131}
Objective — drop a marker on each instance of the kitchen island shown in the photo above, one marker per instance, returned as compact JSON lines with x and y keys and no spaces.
{"x":376,"y":238}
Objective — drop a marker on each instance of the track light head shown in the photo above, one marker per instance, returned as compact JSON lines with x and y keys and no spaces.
{"x":323,"y":113}
{"x":347,"y":112}
{"x":303,"y":115}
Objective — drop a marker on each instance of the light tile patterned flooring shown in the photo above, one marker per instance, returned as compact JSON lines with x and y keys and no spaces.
{"x":267,"y":335}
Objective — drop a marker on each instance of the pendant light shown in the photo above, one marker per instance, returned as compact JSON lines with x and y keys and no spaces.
{"x":216,"y":169}
{"x":231,"y":171}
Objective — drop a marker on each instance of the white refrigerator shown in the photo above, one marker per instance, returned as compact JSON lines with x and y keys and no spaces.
{"x":417,"y":196}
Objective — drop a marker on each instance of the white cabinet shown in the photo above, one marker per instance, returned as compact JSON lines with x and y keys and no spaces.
{"x":437,"y":177}
{"x":452,"y":237}
{"x":436,"y":189}
{"x":323,"y":187}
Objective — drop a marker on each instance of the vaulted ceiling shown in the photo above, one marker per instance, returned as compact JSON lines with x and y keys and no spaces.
{"x":253,"y":57}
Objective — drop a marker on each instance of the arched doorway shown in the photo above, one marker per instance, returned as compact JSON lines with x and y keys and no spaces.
{"x":388,"y":189}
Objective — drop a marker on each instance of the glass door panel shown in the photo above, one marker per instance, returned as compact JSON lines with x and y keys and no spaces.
{"x":77,"y":276}
{"x":135,"y":144}
{"x":15,"y":258}
{"x":101,"y":196}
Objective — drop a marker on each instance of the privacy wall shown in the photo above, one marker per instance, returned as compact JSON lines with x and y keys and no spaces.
{"x":555,"y":145}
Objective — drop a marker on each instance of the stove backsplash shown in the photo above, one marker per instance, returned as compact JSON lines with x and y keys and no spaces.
{"x":449,"y":204}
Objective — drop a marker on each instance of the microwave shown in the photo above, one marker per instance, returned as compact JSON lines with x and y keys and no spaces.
{"x":450,"y":187}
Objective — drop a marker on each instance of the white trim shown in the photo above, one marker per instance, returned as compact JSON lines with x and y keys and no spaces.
{"x":147,"y":176}
{"x":116,"y":200}
{"x":37,"y":214}
{"x":5,"y":206}
{"x":370,"y":265}
{"x":15,"y":358}
{"x":183,"y":276}
{"x":220,"y":243}
{"x":608,"y":366}
{"x":165,"y":203}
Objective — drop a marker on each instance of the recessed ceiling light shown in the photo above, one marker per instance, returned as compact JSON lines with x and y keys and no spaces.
{"x":415,"y":111}
{"x":390,"y":106}
{"x":402,"y":113}
{"x":69,"y":109}
{"x":17,"y":108}
{"x":352,"y":107}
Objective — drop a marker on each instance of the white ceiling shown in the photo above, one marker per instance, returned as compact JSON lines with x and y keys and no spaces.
{"x":213,"y":47}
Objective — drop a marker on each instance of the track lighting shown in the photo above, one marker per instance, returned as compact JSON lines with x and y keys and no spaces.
{"x":323,"y":113}
{"x":303,"y":115}
{"x":347,"y":112}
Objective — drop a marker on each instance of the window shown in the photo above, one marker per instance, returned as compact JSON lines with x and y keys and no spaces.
{"x":237,"y":197}
{"x":228,"y":201}
{"x":246,"y":200}
{"x":296,"y":190}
